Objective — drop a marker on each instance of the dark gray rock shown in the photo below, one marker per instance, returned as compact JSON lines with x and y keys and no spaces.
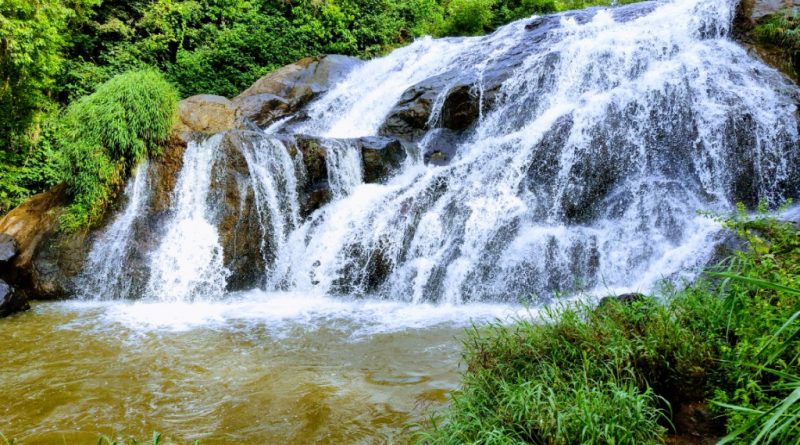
{"x":380,"y":157}
{"x":441,"y":147}
{"x":8,"y":248}
{"x":11,"y":300}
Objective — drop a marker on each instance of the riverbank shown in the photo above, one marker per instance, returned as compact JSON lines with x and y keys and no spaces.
{"x":714,"y":361}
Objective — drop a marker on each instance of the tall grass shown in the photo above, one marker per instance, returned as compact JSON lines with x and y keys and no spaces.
{"x":615,"y":373}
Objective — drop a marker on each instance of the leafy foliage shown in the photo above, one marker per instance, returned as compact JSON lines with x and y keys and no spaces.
{"x":31,"y":38}
{"x":104,"y":135}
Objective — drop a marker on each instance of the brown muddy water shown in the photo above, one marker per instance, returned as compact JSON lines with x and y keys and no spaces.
{"x":255,"y":369}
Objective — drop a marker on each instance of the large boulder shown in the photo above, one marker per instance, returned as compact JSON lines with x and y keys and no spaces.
{"x":206,"y":113}
{"x":11,"y":300}
{"x":284,"y":91}
{"x":46,"y":258}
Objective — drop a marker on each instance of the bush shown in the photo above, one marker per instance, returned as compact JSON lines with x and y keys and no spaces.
{"x":468,"y":17}
{"x":104,"y":135}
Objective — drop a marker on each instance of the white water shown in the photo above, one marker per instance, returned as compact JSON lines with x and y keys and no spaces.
{"x":101,"y":278}
{"x":343,"y":161}
{"x":273,"y":179}
{"x":586,"y":174}
{"x":188,"y":263}
{"x":596,"y":99}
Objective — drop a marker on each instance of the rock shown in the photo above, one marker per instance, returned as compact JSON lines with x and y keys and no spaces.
{"x":755,"y":10}
{"x":303,"y":80}
{"x":163,"y":173}
{"x":380,"y":157}
{"x":408,"y":119}
{"x":750,"y":13}
{"x":441,"y":147}
{"x":8,"y":248}
{"x":262,"y":109}
{"x":622,"y":298}
{"x":207,"y":113}
{"x":46,"y":258}
{"x":11,"y":300}
{"x":461,"y":108}
{"x":236,"y":216}
{"x":315,"y":189}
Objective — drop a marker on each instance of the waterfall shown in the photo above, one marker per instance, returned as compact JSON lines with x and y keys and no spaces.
{"x":101,"y":278}
{"x":597,"y":137}
{"x":608,"y":134}
{"x":343,"y":163}
{"x":188,"y":263}
{"x":273,"y":179}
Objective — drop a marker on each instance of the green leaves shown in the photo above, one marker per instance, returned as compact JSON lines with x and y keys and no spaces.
{"x":105,"y":135}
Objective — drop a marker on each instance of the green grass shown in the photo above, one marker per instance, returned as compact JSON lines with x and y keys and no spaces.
{"x":614,"y":373}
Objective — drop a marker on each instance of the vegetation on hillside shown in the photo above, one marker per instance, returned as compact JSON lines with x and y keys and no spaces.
{"x":782,"y":31}
{"x":55,"y":52}
{"x":619,"y":373}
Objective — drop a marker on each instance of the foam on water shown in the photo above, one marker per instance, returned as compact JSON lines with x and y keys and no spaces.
{"x":281,"y":312}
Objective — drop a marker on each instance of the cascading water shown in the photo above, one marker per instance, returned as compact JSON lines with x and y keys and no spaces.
{"x":614,"y":128}
{"x":599,"y":135}
{"x":188,"y":262}
{"x":101,"y":278}
{"x":274,"y":181}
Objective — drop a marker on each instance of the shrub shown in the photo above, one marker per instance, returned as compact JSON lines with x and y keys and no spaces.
{"x":469,"y":17}
{"x":104,"y":135}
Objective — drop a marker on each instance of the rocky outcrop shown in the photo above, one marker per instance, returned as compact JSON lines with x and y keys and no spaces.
{"x":45,"y":258}
{"x":206,"y":113}
{"x":284,"y":91}
{"x":380,"y":156}
{"x":236,"y":215}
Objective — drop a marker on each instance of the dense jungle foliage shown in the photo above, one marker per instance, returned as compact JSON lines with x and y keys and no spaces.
{"x":55,"y":52}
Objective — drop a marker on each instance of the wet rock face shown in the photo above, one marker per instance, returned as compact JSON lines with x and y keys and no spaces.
{"x":441,"y":147}
{"x":380,"y":157}
{"x":11,"y":300}
{"x":236,"y":216}
{"x":8,"y":248}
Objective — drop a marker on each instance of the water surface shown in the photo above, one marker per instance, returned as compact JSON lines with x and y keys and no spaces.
{"x":256,"y":369}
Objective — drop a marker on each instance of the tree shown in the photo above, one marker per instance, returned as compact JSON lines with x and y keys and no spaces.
{"x":31,"y":38}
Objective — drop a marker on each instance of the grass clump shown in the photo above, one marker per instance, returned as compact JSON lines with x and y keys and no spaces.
{"x":104,"y":135}
{"x":615,"y":374}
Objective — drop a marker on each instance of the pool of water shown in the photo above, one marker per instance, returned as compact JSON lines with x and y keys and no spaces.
{"x":254,"y":369}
